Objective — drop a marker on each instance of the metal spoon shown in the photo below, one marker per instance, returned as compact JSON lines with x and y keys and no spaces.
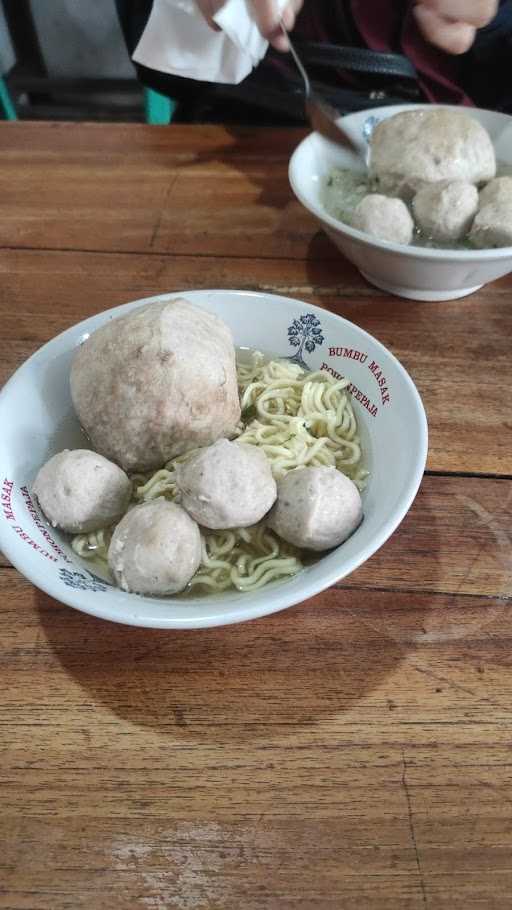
{"x":322,"y":117}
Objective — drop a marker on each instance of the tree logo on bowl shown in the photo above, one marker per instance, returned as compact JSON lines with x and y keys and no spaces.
{"x":368,"y":127}
{"x":305,"y":333}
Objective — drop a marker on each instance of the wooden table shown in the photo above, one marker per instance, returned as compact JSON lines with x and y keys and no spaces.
{"x":352,"y":752}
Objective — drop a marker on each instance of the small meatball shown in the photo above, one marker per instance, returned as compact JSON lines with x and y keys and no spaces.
{"x":492,"y":226}
{"x":385,"y":218}
{"x":316,"y":509}
{"x":155,"y":549}
{"x":155,"y":383}
{"x":228,"y":485}
{"x":80,"y":491}
{"x":418,"y":147}
{"x":498,"y":190}
{"x":444,"y":211}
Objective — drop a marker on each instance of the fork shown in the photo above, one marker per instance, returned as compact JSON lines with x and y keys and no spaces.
{"x":322,"y":117}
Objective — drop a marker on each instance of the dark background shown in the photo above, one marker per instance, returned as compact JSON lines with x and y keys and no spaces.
{"x":67,"y":60}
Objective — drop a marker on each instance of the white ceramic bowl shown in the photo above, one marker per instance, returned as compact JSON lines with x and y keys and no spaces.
{"x":415,"y":272}
{"x":37,"y":418}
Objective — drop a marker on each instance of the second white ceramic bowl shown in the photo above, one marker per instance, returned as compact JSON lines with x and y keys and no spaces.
{"x":418,"y":273}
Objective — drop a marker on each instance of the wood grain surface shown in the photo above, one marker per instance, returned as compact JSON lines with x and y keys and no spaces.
{"x":352,"y":752}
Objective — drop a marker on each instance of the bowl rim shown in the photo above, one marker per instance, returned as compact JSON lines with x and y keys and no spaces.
{"x":421,"y":252}
{"x":277,"y":598}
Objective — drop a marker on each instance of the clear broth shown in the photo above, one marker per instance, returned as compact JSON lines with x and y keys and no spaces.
{"x":344,"y":189}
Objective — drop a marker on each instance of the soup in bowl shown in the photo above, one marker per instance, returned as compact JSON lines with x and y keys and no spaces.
{"x":348,"y":405}
{"x":331,"y":182}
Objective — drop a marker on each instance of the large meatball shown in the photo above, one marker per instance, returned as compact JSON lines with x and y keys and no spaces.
{"x":156,"y":383}
{"x":498,"y":190}
{"x":228,"y":485}
{"x":384,"y":218}
{"x":418,"y":147}
{"x":155,"y":549}
{"x":80,"y":491}
{"x":444,"y":211}
{"x":316,"y":508}
{"x":492,"y":226}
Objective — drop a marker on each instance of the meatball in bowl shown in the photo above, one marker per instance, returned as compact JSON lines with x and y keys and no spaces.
{"x":425,"y":211}
{"x":204,"y":458}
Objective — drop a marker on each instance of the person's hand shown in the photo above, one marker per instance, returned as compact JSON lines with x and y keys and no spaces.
{"x":451,"y":24}
{"x":267,"y":17}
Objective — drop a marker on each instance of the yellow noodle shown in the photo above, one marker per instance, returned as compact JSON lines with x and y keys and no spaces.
{"x":298,"y":419}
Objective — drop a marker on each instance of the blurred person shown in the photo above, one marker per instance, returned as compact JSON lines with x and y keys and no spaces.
{"x":451,"y":25}
{"x":360,"y":53}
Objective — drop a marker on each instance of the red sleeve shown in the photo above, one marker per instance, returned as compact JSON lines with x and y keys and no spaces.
{"x":387,"y":26}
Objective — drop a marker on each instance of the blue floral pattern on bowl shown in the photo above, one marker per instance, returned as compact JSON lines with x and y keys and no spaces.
{"x":80,"y":581}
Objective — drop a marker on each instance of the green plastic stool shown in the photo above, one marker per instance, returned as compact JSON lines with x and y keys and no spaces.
{"x":7,"y":108}
{"x":158,"y":108}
